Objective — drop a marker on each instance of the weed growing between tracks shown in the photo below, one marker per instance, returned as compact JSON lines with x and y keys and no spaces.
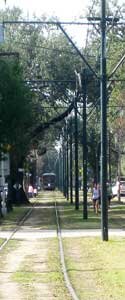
{"x":96,"y":268}
{"x":39,"y":274}
{"x":69,"y":218}
{"x":12,"y":245}
{"x":1,"y":241}
{"x":11,"y":219}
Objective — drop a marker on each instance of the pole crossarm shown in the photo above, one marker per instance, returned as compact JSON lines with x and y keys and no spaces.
{"x":108,"y":19}
{"x":58,"y":24}
{"x":110,"y":81}
{"x":78,"y":51}
{"x":117,"y":66}
{"x":89,"y":21}
{"x":47,"y":22}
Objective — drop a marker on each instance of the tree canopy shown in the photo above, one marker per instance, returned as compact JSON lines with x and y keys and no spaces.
{"x":37,"y":90}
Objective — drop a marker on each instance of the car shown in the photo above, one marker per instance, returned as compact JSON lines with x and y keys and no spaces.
{"x":119,"y":185}
{"x":114,"y":190}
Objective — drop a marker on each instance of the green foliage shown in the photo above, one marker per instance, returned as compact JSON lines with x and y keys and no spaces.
{"x":45,"y":53}
{"x":115,"y":91}
{"x":15,"y":111}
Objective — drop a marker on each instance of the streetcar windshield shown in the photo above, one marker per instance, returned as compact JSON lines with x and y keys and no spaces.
{"x":48,"y":181}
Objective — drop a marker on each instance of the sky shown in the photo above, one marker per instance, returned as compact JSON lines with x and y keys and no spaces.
{"x":64,"y":10}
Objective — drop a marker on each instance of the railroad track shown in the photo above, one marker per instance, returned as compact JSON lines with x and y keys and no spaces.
{"x":20,"y":223}
{"x":26,"y":216}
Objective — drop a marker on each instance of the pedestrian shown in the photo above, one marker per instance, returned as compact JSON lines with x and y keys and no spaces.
{"x":109,"y":193}
{"x":35,"y":191}
{"x":30,"y":191}
{"x":95,"y":197}
{"x":98,"y":185}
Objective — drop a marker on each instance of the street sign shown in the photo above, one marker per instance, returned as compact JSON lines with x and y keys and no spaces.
{"x":17,"y":186}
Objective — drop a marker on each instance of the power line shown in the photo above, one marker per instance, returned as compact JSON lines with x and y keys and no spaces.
{"x":47,"y":22}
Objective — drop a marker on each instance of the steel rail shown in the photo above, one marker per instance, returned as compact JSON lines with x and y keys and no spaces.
{"x":61,"y":251}
{"x":62,"y":258}
{"x":20,"y":223}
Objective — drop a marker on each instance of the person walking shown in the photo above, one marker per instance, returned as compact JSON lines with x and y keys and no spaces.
{"x":95,"y":197}
{"x":35,"y":191}
{"x":30,"y":191}
{"x":109,"y":193}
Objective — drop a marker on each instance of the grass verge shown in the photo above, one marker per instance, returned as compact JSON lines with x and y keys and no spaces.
{"x":11,"y":219}
{"x":73,"y":219}
{"x":41,"y":275}
{"x":96,"y":268}
{"x":1,"y":241}
{"x":44,"y":214}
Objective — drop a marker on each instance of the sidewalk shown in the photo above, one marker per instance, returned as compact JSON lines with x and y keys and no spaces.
{"x":42,"y":234}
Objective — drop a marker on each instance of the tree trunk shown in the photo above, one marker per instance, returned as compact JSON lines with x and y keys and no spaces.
{"x":16,"y":193}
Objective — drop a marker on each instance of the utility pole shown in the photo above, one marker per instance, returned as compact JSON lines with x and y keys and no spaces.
{"x":64,"y":166}
{"x":71,"y":177}
{"x":67,"y":162}
{"x":103,"y":83}
{"x":109,"y":158}
{"x":76,"y":158}
{"x":61,"y":168}
{"x":84,"y":92}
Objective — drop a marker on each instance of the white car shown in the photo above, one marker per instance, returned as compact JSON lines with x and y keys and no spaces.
{"x":115,"y":188}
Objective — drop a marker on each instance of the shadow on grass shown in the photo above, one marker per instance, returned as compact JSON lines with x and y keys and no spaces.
{"x":43,"y":216}
{"x":73,"y":219}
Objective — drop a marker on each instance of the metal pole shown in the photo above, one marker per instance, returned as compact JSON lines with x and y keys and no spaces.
{"x":65,"y":182}
{"x":67,"y":163}
{"x":76,"y":159}
{"x":61,"y":178}
{"x":3,"y":203}
{"x":104,"y":202}
{"x":71,"y":179}
{"x":110,"y":170}
{"x":63,"y":154}
{"x":119,"y":167}
{"x":85,"y":213}
{"x":59,"y":170}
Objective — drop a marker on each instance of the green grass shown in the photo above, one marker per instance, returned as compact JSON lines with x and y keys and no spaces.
{"x":1,"y":241}
{"x":12,"y":245}
{"x":28,"y":277}
{"x":69,"y":217}
{"x":96,"y":268}
{"x":12,"y":218}
{"x":73,"y":219}
{"x":45,"y":218}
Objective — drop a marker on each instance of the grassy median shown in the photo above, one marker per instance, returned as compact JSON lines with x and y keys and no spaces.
{"x":70,"y":218}
{"x":96,"y":268}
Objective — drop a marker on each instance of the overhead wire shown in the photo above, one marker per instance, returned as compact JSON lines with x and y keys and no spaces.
{"x":110,"y":83}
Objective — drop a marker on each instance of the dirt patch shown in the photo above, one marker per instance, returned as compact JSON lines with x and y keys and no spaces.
{"x":29,"y":257}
